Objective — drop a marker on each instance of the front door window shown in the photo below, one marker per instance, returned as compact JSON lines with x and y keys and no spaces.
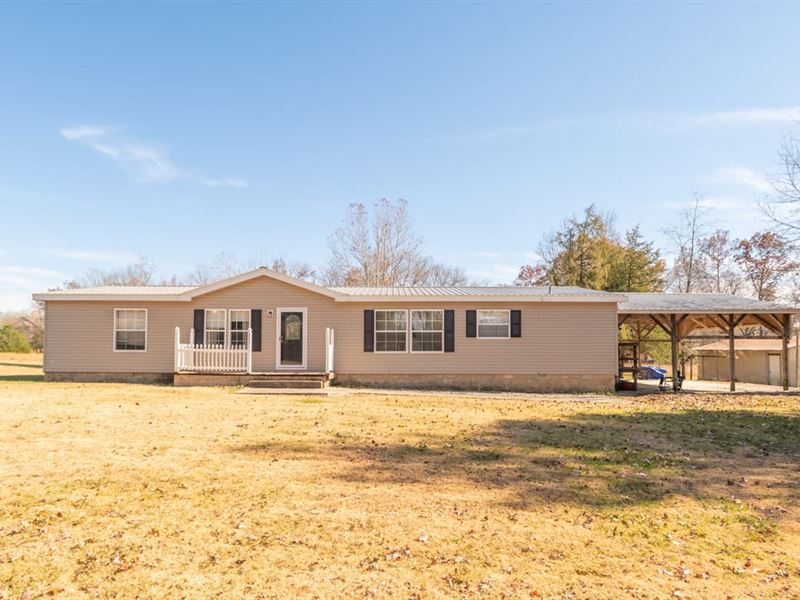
{"x":291,"y":340}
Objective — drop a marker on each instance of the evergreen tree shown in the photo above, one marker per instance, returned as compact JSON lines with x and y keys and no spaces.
{"x":587,"y":252}
{"x":638,"y":268}
{"x":12,"y":340}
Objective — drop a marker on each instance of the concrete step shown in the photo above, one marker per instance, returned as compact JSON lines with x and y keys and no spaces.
{"x":293,"y":382}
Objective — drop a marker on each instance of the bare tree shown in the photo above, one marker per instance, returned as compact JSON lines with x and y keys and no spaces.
{"x":139,"y":273}
{"x":294,"y":268}
{"x":686,"y":233}
{"x":766,"y":259}
{"x":717,"y":250}
{"x":377,"y":247}
{"x":221,"y":266}
{"x":446,"y":276}
{"x":784,"y":207}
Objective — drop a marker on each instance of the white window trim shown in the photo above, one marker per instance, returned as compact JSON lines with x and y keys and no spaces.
{"x":206,"y":329}
{"x":278,"y":364}
{"x":229,"y":331}
{"x":375,"y":331}
{"x":491,"y":337}
{"x":410,"y":343}
{"x":114,"y":325}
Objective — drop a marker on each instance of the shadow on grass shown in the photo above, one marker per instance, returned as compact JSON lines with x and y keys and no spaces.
{"x":21,"y":377}
{"x":21,"y":365}
{"x":587,"y":459}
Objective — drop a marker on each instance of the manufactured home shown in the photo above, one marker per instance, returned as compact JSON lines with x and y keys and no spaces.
{"x":269,"y":327}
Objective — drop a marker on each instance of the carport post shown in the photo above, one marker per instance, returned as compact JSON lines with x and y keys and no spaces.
{"x":787,"y":321}
{"x":731,"y":353}
{"x":673,"y":336}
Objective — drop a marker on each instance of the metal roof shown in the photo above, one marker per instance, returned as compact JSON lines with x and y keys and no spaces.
{"x":639,"y":302}
{"x":341,"y":294}
{"x":426,"y":291}
{"x":124,"y":290}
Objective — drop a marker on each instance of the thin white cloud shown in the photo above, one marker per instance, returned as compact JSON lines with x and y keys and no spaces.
{"x":785,"y":114}
{"x":742,"y":176}
{"x":147,"y":162}
{"x":92,"y":255}
{"x":82,"y":132}
{"x":223,"y":182}
{"x":660,"y":121}
{"x":18,"y":283}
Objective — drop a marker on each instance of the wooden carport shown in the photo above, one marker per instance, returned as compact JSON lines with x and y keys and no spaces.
{"x":707,"y":317}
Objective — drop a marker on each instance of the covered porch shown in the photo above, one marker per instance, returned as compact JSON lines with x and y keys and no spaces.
{"x":705,"y":318}
{"x":232,"y":364}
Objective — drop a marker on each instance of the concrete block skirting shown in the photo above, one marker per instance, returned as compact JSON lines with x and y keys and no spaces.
{"x":519,"y":382}
{"x":210,"y":379}
{"x":108,"y":377}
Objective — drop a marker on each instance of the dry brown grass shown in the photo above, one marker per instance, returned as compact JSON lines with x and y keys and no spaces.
{"x":20,"y":367}
{"x":146,"y":491}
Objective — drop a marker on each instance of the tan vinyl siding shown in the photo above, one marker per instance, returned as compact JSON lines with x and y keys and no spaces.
{"x":752,"y":366}
{"x":557,"y":338}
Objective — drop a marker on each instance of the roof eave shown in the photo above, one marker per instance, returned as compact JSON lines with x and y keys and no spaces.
{"x":55,"y":296}
{"x":260,"y":272}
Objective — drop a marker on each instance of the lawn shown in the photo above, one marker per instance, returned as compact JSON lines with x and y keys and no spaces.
{"x":145,"y":491}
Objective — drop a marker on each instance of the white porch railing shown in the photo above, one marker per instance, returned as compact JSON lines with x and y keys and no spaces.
{"x":212,"y":358}
{"x":328,"y":350}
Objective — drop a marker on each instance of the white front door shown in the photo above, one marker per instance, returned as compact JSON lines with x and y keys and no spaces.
{"x":774,"y":369}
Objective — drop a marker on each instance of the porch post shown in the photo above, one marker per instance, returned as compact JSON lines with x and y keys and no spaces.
{"x":673,"y":338}
{"x":191,"y":349}
{"x":249,"y":350}
{"x":177,"y":343}
{"x":787,"y":320}
{"x":797,"y":354}
{"x":731,"y":353}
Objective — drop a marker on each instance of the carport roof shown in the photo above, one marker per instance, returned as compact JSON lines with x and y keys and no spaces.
{"x":650,"y":303}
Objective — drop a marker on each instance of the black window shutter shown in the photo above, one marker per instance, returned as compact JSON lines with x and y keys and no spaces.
{"x":449,"y":331}
{"x":369,"y":331}
{"x":199,"y":325}
{"x":516,"y":323}
{"x":255,"y":325}
{"x":472,"y":323}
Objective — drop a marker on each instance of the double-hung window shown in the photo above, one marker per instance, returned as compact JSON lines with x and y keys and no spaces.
{"x":494,"y":324}
{"x":239,"y":324}
{"x":215,"y":327}
{"x":130,"y":329}
{"x":427,"y":330}
{"x":391,"y":330}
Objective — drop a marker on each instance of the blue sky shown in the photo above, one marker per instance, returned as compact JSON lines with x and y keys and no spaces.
{"x":179,"y":131}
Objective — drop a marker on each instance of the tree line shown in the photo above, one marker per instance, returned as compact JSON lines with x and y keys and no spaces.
{"x":588,"y":251}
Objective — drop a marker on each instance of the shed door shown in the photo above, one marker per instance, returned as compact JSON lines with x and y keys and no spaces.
{"x":774,"y":369}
